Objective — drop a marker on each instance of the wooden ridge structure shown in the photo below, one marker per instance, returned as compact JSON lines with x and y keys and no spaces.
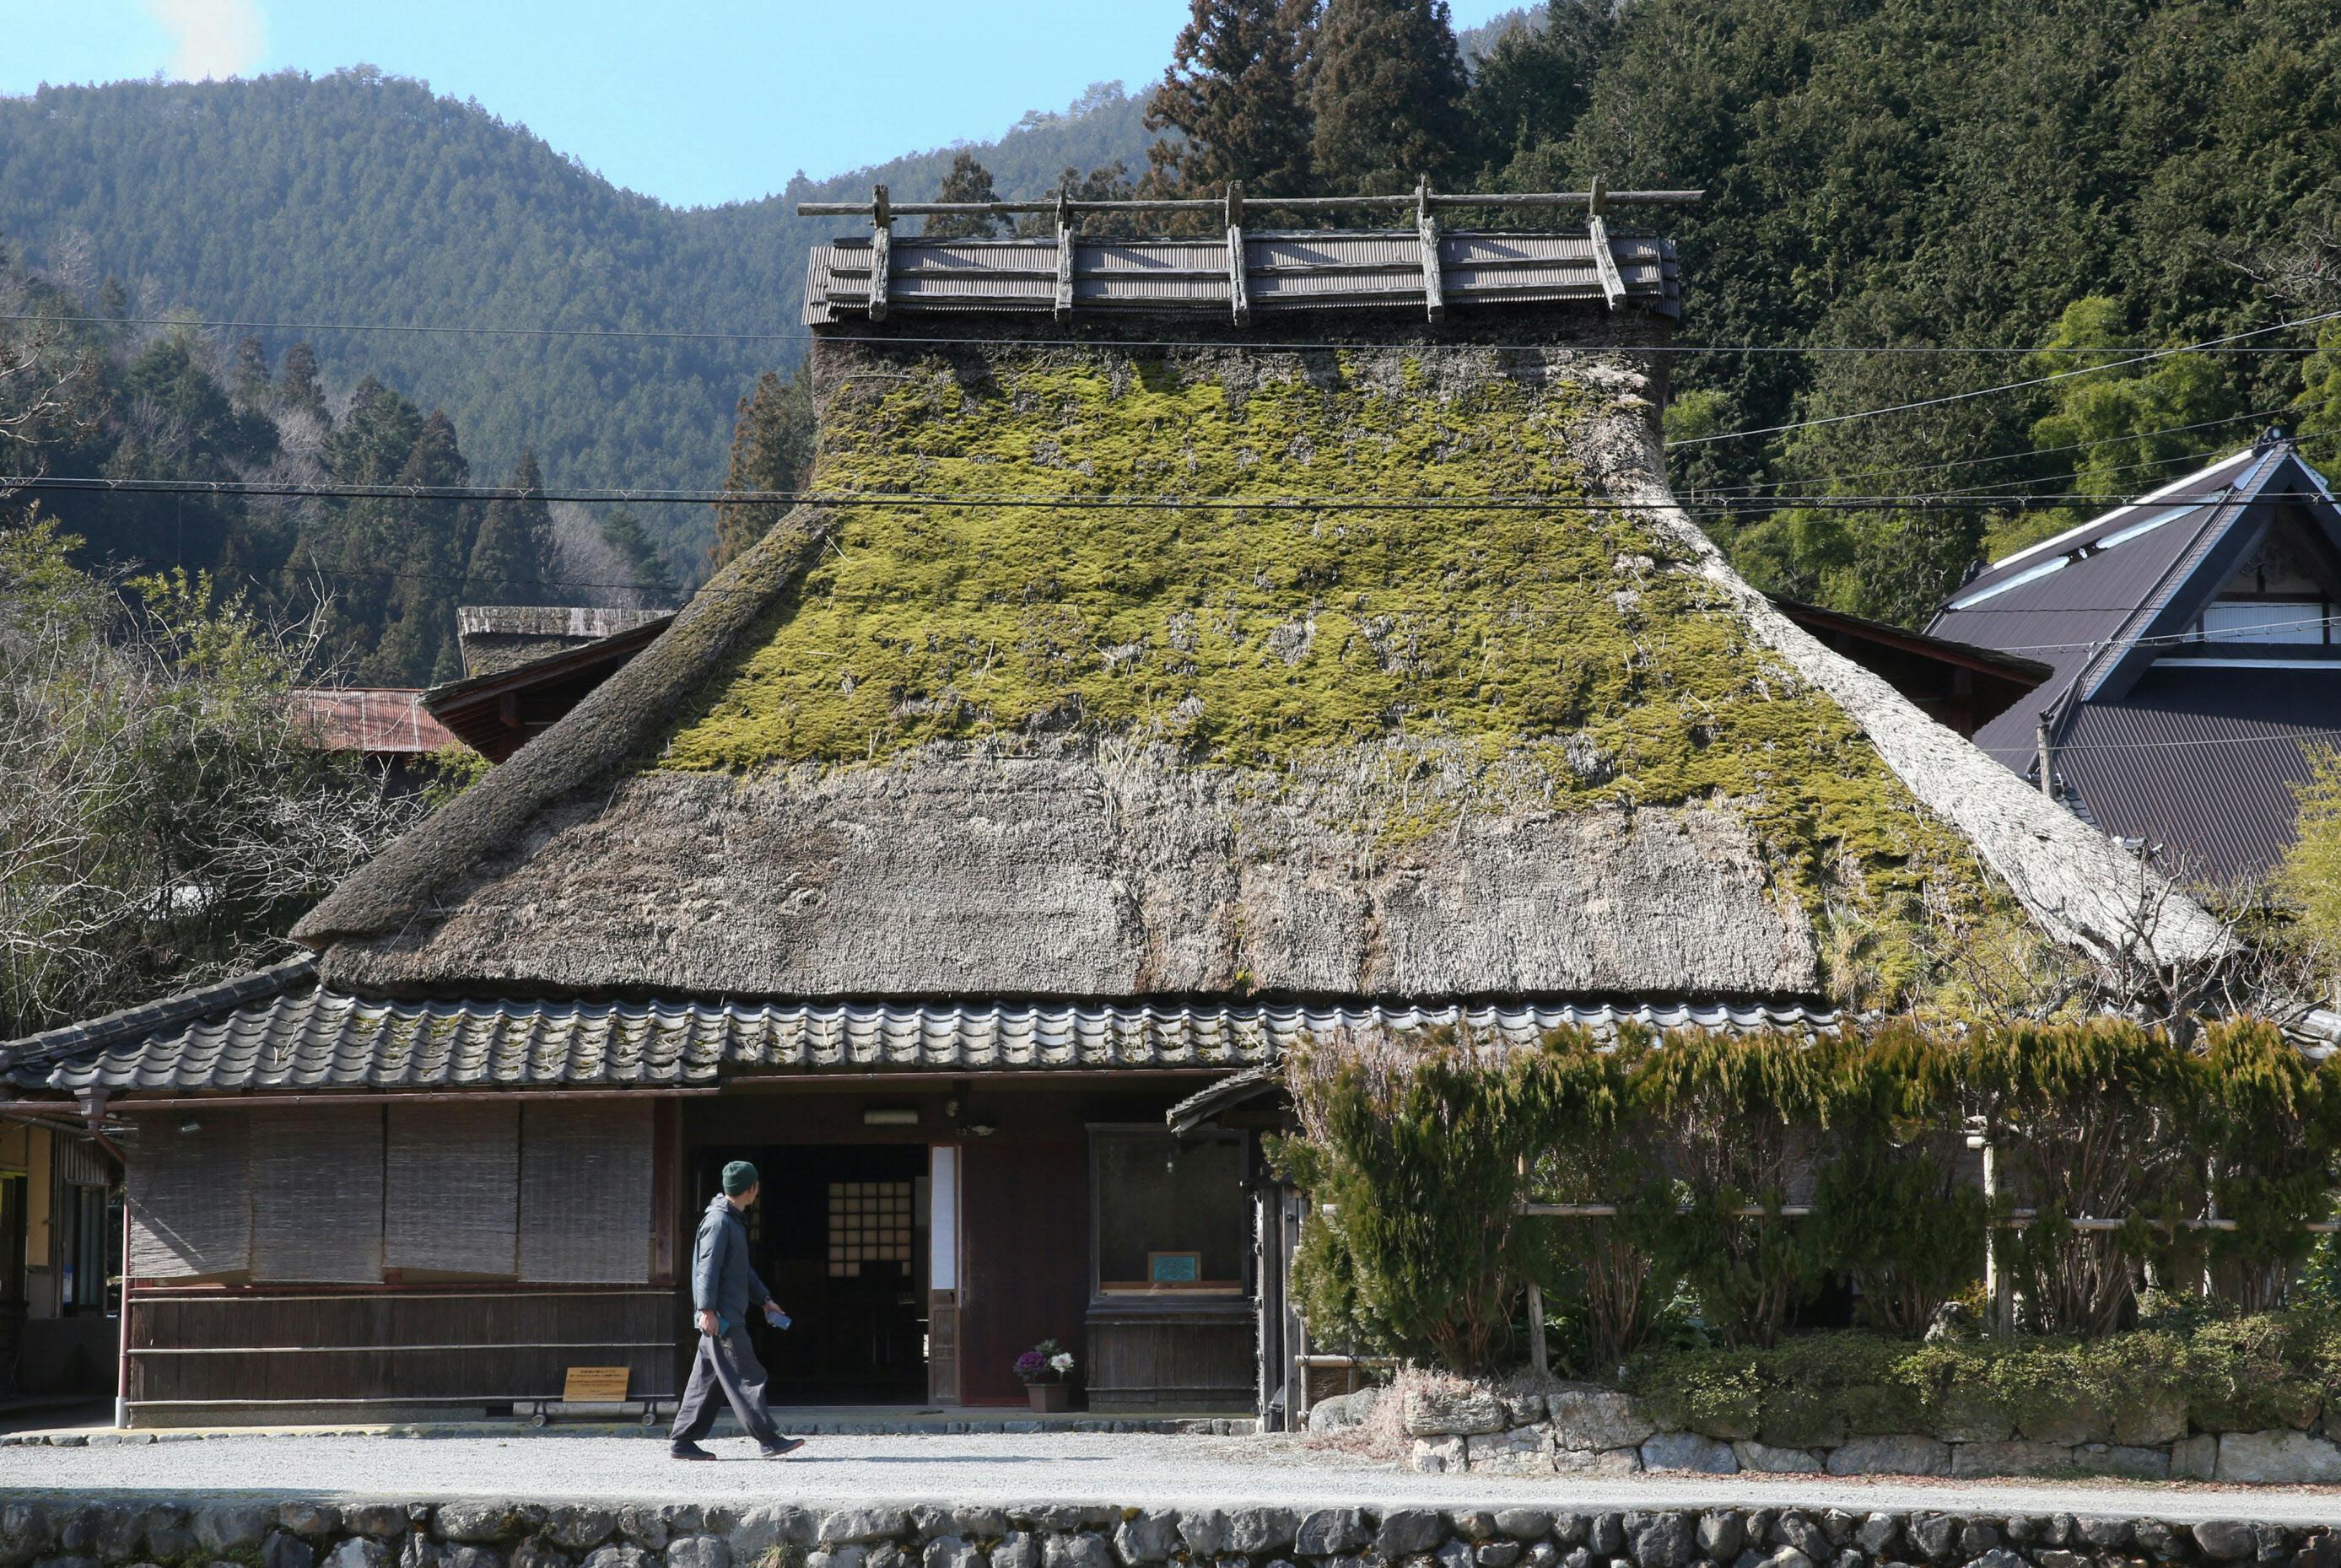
{"x":1618,"y":271}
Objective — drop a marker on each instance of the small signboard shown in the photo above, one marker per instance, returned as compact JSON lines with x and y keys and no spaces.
{"x":595,"y":1385}
{"x":1175,"y":1267}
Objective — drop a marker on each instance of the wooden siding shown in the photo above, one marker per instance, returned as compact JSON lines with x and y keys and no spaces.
{"x":191,"y":1197}
{"x":227,"y":1349}
{"x":1024,"y":1208}
{"x":1192,"y":1358}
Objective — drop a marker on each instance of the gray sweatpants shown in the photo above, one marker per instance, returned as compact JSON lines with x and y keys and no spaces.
{"x":728,"y":1362}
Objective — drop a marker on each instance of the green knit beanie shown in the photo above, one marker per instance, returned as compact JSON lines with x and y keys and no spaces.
{"x":738,"y":1178}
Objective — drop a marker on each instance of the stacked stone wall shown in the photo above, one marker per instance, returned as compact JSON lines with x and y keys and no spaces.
{"x":1589,"y":1430}
{"x":121,"y":1533}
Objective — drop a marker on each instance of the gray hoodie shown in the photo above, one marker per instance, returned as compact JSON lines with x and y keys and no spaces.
{"x":721,"y":1280}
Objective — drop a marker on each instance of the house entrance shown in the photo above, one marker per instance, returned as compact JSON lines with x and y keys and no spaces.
{"x":840,"y":1235}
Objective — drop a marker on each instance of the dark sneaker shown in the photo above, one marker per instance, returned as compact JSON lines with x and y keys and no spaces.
{"x":780,"y":1450}
{"x":688,"y":1451}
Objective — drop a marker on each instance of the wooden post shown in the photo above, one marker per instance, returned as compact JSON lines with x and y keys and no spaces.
{"x":1434,"y":289}
{"x":1538,"y":1357}
{"x":1613,"y":283}
{"x":2048,"y":751}
{"x":1239,"y":296}
{"x":1064,"y":255}
{"x":1997,"y":1283}
{"x":882,"y":252}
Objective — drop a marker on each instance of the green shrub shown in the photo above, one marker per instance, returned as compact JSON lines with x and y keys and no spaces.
{"x":1892,"y":1204}
{"x":1732,"y":1115}
{"x":1600,"y":1270}
{"x":2090,"y":1120}
{"x":1420,"y":1153}
{"x":2271,"y":1123}
{"x":1415,"y":1159}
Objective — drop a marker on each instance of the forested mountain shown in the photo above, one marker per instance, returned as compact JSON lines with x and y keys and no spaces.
{"x":1909,"y":203}
{"x":363,"y":198}
{"x":375,"y":580}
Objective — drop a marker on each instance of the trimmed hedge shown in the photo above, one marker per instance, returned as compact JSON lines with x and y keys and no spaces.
{"x":1418,"y":1153}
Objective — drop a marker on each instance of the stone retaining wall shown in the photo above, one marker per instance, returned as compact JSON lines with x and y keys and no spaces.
{"x":505,"y":1534}
{"x":1588,"y":1430}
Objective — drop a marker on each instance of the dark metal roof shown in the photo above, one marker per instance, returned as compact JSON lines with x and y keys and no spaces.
{"x":1281,"y":271}
{"x":2201,"y":759}
{"x":2074,"y":602}
{"x":299,"y":1037}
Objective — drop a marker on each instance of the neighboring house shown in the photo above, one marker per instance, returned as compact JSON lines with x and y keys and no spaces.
{"x":60,"y":1257}
{"x":1960,"y":686}
{"x":2196,"y":657}
{"x":389,"y":725}
{"x":497,"y":638}
{"x":956,"y":859}
{"x":520,"y":677}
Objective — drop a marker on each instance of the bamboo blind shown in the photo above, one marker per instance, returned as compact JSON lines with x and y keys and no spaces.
{"x":191,"y":1199}
{"x":585,"y":1193}
{"x":80,"y":1165}
{"x":317,"y":1174}
{"x":453,"y":1203}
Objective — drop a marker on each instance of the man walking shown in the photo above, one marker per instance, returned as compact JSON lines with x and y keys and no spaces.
{"x":723,"y":1288}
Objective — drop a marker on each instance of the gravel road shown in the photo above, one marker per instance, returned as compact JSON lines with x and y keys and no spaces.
{"x":1124,"y":1471}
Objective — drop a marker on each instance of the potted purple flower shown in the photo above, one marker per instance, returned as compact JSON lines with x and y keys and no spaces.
{"x":1047,"y":1370}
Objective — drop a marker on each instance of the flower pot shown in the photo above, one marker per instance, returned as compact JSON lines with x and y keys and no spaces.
{"x":1050,"y":1397}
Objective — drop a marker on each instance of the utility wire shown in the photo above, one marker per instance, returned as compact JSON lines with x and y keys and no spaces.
{"x":286,"y":490}
{"x":2036,"y":451}
{"x":2003,"y":387}
{"x":697,"y":334}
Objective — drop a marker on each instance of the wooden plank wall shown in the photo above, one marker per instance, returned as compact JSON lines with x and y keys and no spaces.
{"x":1026,"y":1210}
{"x":1198,"y":1359}
{"x":308,"y":1347}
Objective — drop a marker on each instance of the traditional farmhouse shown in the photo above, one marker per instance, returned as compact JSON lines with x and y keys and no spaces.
{"x":1197,"y":646}
{"x":2197,"y":656}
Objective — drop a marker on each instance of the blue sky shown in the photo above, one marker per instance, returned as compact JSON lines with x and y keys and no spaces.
{"x":691,"y":101}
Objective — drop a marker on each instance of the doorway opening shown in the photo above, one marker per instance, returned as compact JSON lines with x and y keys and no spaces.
{"x":840,"y":1235}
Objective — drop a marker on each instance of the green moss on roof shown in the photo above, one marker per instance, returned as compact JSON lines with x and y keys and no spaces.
{"x":1563,"y":639}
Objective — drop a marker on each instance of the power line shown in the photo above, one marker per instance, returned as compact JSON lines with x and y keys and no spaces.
{"x":2062,"y":750}
{"x":2041,"y":452}
{"x":286,"y":490}
{"x":738,"y":335}
{"x":2004,"y":387}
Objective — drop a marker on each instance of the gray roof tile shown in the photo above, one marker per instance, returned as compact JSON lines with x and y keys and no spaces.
{"x":311,"y":1038}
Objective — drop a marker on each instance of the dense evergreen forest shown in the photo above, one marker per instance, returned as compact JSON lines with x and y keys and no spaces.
{"x":363,"y":198}
{"x":375,"y":580}
{"x":2050,"y":180}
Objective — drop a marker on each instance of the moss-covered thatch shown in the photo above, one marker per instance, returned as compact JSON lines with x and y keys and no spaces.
{"x":1004,"y":747}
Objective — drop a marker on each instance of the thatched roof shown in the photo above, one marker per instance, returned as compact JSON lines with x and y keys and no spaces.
{"x":1008,"y":748}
